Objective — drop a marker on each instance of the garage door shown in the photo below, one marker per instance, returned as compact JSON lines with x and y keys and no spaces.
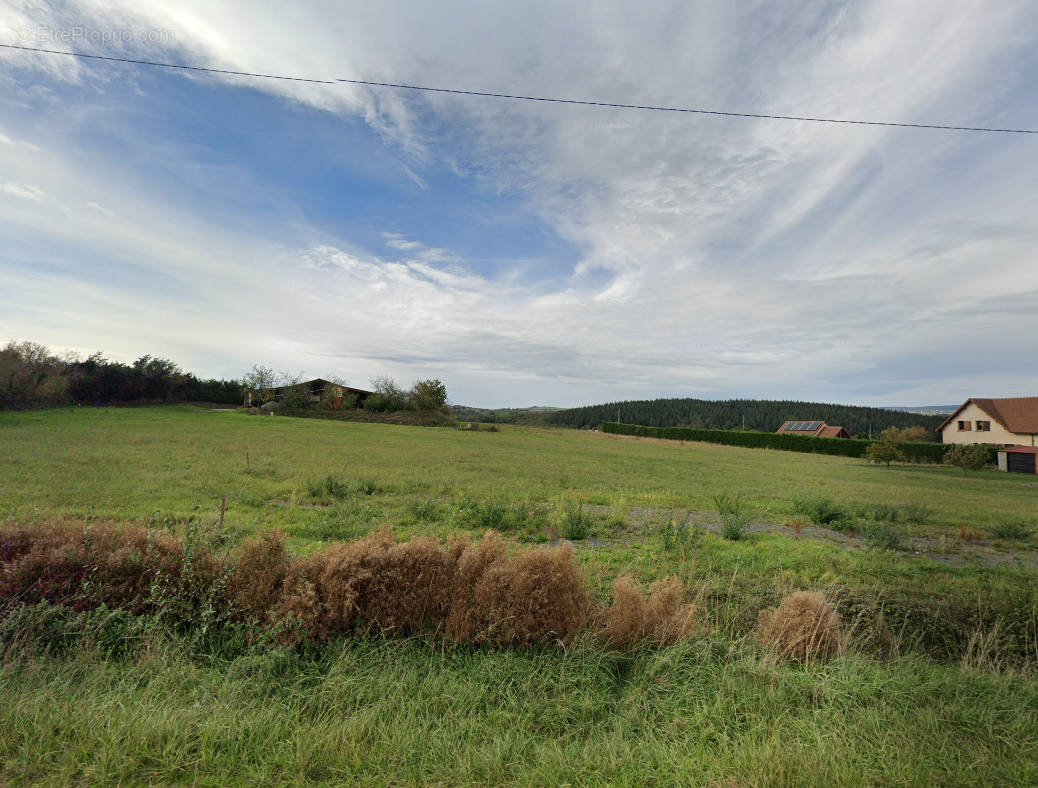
{"x":1018,"y":462}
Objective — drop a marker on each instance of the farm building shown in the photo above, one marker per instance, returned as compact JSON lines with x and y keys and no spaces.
{"x":1018,"y":459}
{"x":317,"y":389}
{"x":1011,"y":421}
{"x":817,"y":429}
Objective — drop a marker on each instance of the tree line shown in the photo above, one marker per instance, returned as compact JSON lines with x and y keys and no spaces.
{"x":748,"y":414}
{"x":31,"y":376}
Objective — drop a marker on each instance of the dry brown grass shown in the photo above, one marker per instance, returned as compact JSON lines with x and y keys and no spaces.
{"x":85,"y":565}
{"x":258,"y":569}
{"x":803,"y":627}
{"x":661,"y":617}
{"x":482,"y":592}
{"x":531,"y":596}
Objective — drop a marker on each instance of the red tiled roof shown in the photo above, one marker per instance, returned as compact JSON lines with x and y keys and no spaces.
{"x":1016,"y":414}
{"x":823,"y":431}
{"x":829,"y":431}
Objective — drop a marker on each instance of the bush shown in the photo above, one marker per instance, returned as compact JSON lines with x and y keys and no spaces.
{"x":258,"y":569}
{"x":428,"y":395}
{"x":535,"y":595}
{"x":885,"y":512}
{"x":661,"y":618}
{"x":678,"y":536}
{"x":803,"y":627}
{"x":574,"y":523}
{"x":822,"y":511}
{"x":1009,"y":529}
{"x":882,"y":536}
{"x":328,"y":487}
{"x":968,"y":456}
{"x":387,"y":396}
{"x":734,"y":515}
{"x":885,"y":451}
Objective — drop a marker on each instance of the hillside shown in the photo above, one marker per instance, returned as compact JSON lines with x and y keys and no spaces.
{"x":732,"y":414}
{"x":531,"y":415}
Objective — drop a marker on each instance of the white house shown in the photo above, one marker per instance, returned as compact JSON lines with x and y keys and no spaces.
{"x":1010,"y":421}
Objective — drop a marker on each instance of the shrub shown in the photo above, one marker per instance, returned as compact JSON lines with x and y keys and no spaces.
{"x":387,"y":396}
{"x":258,"y":570}
{"x":573,"y":521}
{"x":428,"y":395}
{"x":424,"y":510}
{"x":821,"y":511}
{"x":969,"y":534}
{"x":886,"y":451}
{"x":797,"y":524}
{"x":663,"y":617}
{"x":678,"y":536}
{"x":464,"y":620}
{"x":884,"y":512}
{"x":1009,"y":529}
{"x":734,"y":515}
{"x":882,"y":536}
{"x":534,"y":596}
{"x":328,"y":487}
{"x":968,"y":456}
{"x":804,"y":626}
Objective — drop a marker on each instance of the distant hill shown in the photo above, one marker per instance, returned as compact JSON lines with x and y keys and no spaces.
{"x":531,"y":415}
{"x":930,"y":410}
{"x":734,"y":414}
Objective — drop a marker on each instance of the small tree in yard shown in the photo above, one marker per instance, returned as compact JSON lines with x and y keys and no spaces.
{"x":886,"y":451}
{"x":968,"y":456}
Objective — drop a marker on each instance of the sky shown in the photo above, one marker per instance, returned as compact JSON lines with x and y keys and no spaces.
{"x":528,"y":253}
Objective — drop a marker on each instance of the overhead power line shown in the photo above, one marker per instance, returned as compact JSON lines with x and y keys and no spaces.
{"x":517,"y":97}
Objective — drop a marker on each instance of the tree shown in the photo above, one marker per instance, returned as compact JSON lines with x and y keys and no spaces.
{"x":885,"y":451}
{"x":260,"y":381}
{"x":428,"y":395}
{"x":968,"y":456}
{"x":388,"y":396}
{"x":905,"y":434}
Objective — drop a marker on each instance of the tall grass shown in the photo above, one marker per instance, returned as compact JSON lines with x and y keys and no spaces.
{"x":409,"y":712}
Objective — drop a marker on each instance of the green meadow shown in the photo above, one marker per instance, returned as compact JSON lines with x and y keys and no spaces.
{"x":937,"y":685}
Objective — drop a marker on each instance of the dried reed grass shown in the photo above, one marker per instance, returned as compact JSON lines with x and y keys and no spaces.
{"x":660,"y":617}
{"x":804,"y":626}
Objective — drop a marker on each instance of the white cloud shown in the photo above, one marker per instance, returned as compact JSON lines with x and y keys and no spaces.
{"x":716,"y":256}
{"x":23,"y":191}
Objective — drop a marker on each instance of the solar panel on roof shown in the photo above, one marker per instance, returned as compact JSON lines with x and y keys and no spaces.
{"x":803,"y":426}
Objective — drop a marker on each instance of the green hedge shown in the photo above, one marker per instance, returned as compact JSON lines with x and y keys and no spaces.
{"x":846,"y":447}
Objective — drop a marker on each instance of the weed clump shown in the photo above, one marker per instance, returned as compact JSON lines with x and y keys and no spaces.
{"x":734,"y":515}
{"x":883,"y":536}
{"x":534,"y":595}
{"x":574,"y":522}
{"x":804,"y":626}
{"x":660,"y":617}
{"x":258,"y":569}
{"x":822,"y":511}
{"x":1011,"y":529}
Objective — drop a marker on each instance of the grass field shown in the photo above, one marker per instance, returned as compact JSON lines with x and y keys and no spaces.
{"x":938,"y":686}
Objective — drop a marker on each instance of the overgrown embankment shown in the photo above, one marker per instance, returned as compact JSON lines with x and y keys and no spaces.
{"x":475,"y":592}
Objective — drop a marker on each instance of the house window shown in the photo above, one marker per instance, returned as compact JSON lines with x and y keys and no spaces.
{"x":965,"y":426}
{"x":983,"y":426}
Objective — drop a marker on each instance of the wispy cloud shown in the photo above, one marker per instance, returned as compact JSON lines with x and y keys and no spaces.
{"x":713,"y":256}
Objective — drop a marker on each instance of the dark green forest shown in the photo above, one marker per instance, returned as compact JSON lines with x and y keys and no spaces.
{"x":31,"y":376}
{"x":734,"y":414}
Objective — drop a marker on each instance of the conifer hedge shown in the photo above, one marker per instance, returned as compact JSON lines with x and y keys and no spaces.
{"x":845,"y":447}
